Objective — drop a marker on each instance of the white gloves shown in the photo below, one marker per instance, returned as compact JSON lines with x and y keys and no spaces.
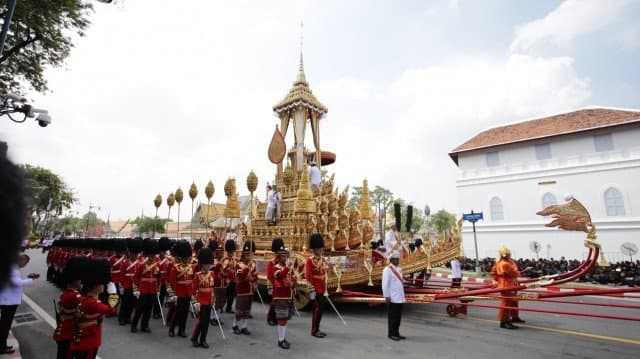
{"x":111,"y":288}
{"x":288,"y":262}
{"x":270,"y":291}
{"x":121,"y":290}
{"x":172,"y":299}
{"x":136,"y":294}
{"x":312,"y":295}
{"x":196,"y":307}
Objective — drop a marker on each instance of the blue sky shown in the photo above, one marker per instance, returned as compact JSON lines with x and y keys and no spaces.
{"x":157,"y":96}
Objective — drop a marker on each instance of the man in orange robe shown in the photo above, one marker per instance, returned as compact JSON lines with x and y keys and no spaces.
{"x":505,"y":272}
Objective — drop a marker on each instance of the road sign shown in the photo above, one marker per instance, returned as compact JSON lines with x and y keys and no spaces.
{"x":629,"y":249}
{"x":472,"y":217}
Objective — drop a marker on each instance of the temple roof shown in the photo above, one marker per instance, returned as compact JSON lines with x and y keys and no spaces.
{"x":300,"y":95}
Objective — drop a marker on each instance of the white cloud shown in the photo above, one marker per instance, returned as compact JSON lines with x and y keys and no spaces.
{"x":568,"y":21}
{"x":445,"y":105}
{"x":629,"y":38}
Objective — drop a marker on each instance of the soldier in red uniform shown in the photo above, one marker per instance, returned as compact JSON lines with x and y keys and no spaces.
{"x":180,"y":288}
{"x":68,"y":308}
{"x":165,"y":261}
{"x":203,"y":292}
{"x":88,"y":328}
{"x":219,"y":283}
{"x":146,"y":284}
{"x":505,"y":272}
{"x":229,"y":264}
{"x":127,"y":268}
{"x":246,"y":279}
{"x":280,"y":274}
{"x":315,"y":272}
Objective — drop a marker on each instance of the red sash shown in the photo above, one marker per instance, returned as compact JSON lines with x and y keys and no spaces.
{"x":395,"y":272}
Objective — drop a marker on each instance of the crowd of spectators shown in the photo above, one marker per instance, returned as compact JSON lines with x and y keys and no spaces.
{"x":621,"y":273}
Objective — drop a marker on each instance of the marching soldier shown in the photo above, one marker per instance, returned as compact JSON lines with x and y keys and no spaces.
{"x":88,"y":329}
{"x":315,"y":271}
{"x":219,"y":285}
{"x":203,"y":292}
{"x":68,"y":308}
{"x":128,"y":270}
{"x":181,"y":286}
{"x":505,"y":272}
{"x":146,"y":285}
{"x":229,"y":265}
{"x":280,"y":274}
{"x":246,"y":277}
{"x":165,"y":261}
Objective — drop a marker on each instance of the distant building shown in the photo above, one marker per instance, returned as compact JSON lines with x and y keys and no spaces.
{"x":511,"y":172}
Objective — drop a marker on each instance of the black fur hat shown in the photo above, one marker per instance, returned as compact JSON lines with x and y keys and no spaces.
{"x":418,"y":242}
{"x":164,"y":243}
{"x":98,"y":272}
{"x":119,"y":245}
{"x":204,"y":256}
{"x":75,"y":269}
{"x":198,"y":245}
{"x":316,"y":241}
{"x":213,"y":245}
{"x":182,"y":249}
{"x":249,"y":246}
{"x":277,"y":245}
{"x":134,"y":245}
{"x":397,"y":211}
{"x":230,"y":245}
{"x":150,"y":247}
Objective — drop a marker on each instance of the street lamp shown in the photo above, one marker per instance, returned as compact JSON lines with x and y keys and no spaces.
{"x":17,"y":104}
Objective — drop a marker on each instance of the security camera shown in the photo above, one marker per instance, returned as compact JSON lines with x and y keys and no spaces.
{"x":43,"y":120}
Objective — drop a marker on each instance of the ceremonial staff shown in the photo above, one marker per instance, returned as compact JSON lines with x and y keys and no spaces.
{"x":208,"y":191}
{"x":193,"y":193}
{"x":179,"y":196}
{"x":171,"y":199}
{"x":156,"y":202}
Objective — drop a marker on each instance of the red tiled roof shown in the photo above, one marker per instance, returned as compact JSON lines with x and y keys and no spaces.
{"x":562,"y":124}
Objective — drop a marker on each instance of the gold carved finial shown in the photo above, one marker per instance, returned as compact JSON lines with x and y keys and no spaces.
{"x":365,"y":202}
{"x":304,"y":202}
{"x":232,"y":209}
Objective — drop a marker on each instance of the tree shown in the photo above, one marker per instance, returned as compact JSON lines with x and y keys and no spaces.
{"x":356,"y":194}
{"x":69,"y":225}
{"x":148,"y":224}
{"x":442,"y":221}
{"x":48,"y":193}
{"x":382,"y":199}
{"x":40,"y":36}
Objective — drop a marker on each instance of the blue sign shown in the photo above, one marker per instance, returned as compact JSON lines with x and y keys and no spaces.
{"x":472,"y":217}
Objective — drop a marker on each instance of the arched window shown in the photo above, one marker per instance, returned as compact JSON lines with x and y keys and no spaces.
{"x":548,"y":199}
{"x":496,"y":209}
{"x":613,"y":202}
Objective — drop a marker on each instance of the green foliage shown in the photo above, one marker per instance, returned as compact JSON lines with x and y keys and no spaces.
{"x":356,"y":194}
{"x":46,"y":187}
{"x":69,"y":225}
{"x":149,"y":224}
{"x":442,"y":221}
{"x":382,"y":200}
{"x":40,"y":36}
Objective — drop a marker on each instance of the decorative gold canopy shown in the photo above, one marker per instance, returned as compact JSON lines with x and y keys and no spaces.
{"x":300,"y":95}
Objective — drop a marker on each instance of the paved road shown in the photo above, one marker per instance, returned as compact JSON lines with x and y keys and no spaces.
{"x":431,"y":334}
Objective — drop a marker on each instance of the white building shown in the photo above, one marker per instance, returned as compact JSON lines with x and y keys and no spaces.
{"x":511,"y":172}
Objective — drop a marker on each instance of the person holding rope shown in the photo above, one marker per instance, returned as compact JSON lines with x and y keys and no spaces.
{"x":393,"y":292}
{"x":505,"y":274}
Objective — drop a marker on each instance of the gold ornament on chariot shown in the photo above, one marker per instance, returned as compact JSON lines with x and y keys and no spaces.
{"x":252,"y":182}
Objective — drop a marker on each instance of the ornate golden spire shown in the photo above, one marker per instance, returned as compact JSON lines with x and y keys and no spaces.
{"x":365,"y":202}
{"x":304,"y":202}
{"x":232,"y":209}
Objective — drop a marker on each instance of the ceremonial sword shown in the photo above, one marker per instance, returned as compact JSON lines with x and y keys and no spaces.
{"x":164,"y":321}
{"x":336,"y":310}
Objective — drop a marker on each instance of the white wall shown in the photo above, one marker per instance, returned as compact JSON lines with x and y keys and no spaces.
{"x":575,"y":168}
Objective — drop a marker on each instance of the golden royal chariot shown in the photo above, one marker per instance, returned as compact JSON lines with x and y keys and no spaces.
{"x":347,"y":230}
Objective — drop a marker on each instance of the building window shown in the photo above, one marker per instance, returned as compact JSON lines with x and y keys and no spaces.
{"x":548,"y":199}
{"x":603,"y":142}
{"x":543,"y":151}
{"x":493,"y":159}
{"x":496,"y":209}
{"x":613,"y":202}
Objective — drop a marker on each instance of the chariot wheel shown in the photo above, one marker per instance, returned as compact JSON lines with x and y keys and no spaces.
{"x":451,"y":310}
